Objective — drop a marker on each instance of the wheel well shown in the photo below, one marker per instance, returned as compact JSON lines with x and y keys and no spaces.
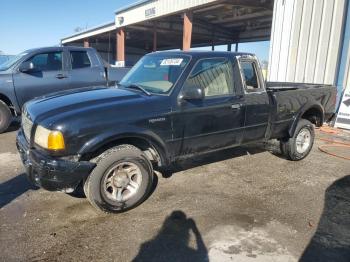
{"x":152,"y":152}
{"x":314,"y":115}
{"x":8,"y":102}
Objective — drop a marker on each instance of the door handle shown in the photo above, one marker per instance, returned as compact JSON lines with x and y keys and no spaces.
{"x":236,"y":106}
{"x":61,"y":76}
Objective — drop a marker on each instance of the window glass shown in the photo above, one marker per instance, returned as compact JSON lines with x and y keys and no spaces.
{"x":80,"y":59}
{"x":213,"y":75}
{"x":47,"y":61}
{"x":250,"y":75}
{"x":10,"y":61}
{"x":156,"y":73}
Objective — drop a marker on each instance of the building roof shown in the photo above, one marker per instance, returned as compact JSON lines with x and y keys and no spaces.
{"x":91,"y":31}
{"x":133,"y":5}
{"x":216,"y":22}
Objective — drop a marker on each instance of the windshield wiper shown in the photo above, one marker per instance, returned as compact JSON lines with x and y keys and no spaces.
{"x":136,"y":86}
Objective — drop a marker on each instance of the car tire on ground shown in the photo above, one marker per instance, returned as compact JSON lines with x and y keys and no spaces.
{"x":299,"y":146}
{"x":5,"y":117}
{"x":121,"y":180}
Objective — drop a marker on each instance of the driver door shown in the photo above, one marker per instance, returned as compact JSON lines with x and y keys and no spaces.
{"x":216,"y":121}
{"x":48,"y":77}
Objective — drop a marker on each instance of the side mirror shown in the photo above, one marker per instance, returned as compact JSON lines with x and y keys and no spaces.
{"x":191,"y":92}
{"x":26,"y":67}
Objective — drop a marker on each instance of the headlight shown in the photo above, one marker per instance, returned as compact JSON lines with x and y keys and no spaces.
{"x":52,"y":140}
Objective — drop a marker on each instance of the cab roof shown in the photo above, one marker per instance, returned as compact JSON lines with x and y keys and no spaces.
{"x":55,"y":48}
{"x":200,"y":53}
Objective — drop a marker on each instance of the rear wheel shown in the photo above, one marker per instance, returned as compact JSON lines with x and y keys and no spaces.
{"x":299,"y":146}
{"x":121,"y":180}
{"x":5,"y":117}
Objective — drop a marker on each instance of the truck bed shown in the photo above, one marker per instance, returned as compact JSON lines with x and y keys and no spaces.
{"x":290,"y":86}
{"x":290,"y":99}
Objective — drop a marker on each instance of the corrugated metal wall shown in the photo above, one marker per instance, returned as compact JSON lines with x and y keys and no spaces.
{"x":306,"y":40}
{"x":344,"y":70}
{"x":348,"y":72}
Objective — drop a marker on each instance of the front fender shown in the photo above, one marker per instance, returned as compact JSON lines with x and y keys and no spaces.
{"x":301,"y":112}
{"x":110,"y":136}
{"x":7,"y":91}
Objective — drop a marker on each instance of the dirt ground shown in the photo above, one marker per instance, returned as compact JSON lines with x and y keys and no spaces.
{"x":245,"y":204}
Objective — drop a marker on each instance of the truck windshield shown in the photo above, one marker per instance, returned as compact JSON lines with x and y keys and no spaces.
{"x":156,"y":74}
{"x":9,"y":63}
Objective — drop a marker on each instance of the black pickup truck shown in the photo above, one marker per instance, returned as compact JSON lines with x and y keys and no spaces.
{"x":41,"y":71}
{"x":170,"y":105}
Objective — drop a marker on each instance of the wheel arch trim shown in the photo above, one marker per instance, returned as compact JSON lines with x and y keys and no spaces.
{"x":110,"y":138}
{"x":308,"y":107}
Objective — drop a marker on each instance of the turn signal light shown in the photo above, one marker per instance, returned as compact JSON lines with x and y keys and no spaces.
{"x":55,"y":141}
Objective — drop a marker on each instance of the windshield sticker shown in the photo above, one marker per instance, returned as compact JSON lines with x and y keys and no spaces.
{"x":171,"y":62}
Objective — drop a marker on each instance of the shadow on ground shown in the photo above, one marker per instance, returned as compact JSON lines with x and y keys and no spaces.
{"x":331,"y":241}
{"x":172,"y":242}
{"x":222,"y":155}
{"x":14,"y":188}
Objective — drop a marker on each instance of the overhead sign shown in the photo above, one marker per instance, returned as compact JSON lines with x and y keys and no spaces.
{"x":343,"y":118}
{"x":150,"y":12}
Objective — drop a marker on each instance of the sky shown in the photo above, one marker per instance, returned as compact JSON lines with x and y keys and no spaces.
{"x":26,"y":24}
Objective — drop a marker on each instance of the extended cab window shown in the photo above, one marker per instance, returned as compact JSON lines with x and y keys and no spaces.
{"x":213,"y":75}
{"x":47,"y":61}
{"x":80,"y":59}
{"x":250,"y":75}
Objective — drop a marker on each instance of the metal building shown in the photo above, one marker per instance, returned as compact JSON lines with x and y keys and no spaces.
{"x":309,"y":39}
{"x":310,"y":42}
{"x":152,"y":25}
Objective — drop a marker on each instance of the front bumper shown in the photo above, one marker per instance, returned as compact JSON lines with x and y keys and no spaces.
{"x":53,"y":174}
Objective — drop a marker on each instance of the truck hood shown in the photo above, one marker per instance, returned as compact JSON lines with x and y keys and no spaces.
{"x":71,"y":102}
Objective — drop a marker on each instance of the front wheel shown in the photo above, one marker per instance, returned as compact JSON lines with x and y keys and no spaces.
{"x":121,"y":180}
{"x":5,"y":117}
{"x":299,"y":146}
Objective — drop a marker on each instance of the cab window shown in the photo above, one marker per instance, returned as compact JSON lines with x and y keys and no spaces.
{"x":47,"y":61}
{"x":213,"y":75}
{"x":80,"y":59}
{"x":250,"y":75}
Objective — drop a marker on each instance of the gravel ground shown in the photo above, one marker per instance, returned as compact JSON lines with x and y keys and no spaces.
{"x":246,"y":204}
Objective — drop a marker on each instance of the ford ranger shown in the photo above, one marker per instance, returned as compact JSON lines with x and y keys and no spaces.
{"x":41,"y":71}
{"x":170,"y":105}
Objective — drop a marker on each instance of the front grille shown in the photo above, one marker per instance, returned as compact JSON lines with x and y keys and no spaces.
{"x":27,"y":125}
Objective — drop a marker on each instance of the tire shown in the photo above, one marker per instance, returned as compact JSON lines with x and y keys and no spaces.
{"x":5,"y":117}
{"x":292,"y":149}
{"x":111,"y":186}
{"x":283,"y":147}
{"x":78,"y":192}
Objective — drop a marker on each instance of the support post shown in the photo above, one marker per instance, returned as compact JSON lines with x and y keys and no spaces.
{"x":236,"y":49}
{"x":187,"y":31}
{"x":120,"y":48}
{"x":86,"y":42}
{"x":155,"y":38}
{"x":229,"y":46}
